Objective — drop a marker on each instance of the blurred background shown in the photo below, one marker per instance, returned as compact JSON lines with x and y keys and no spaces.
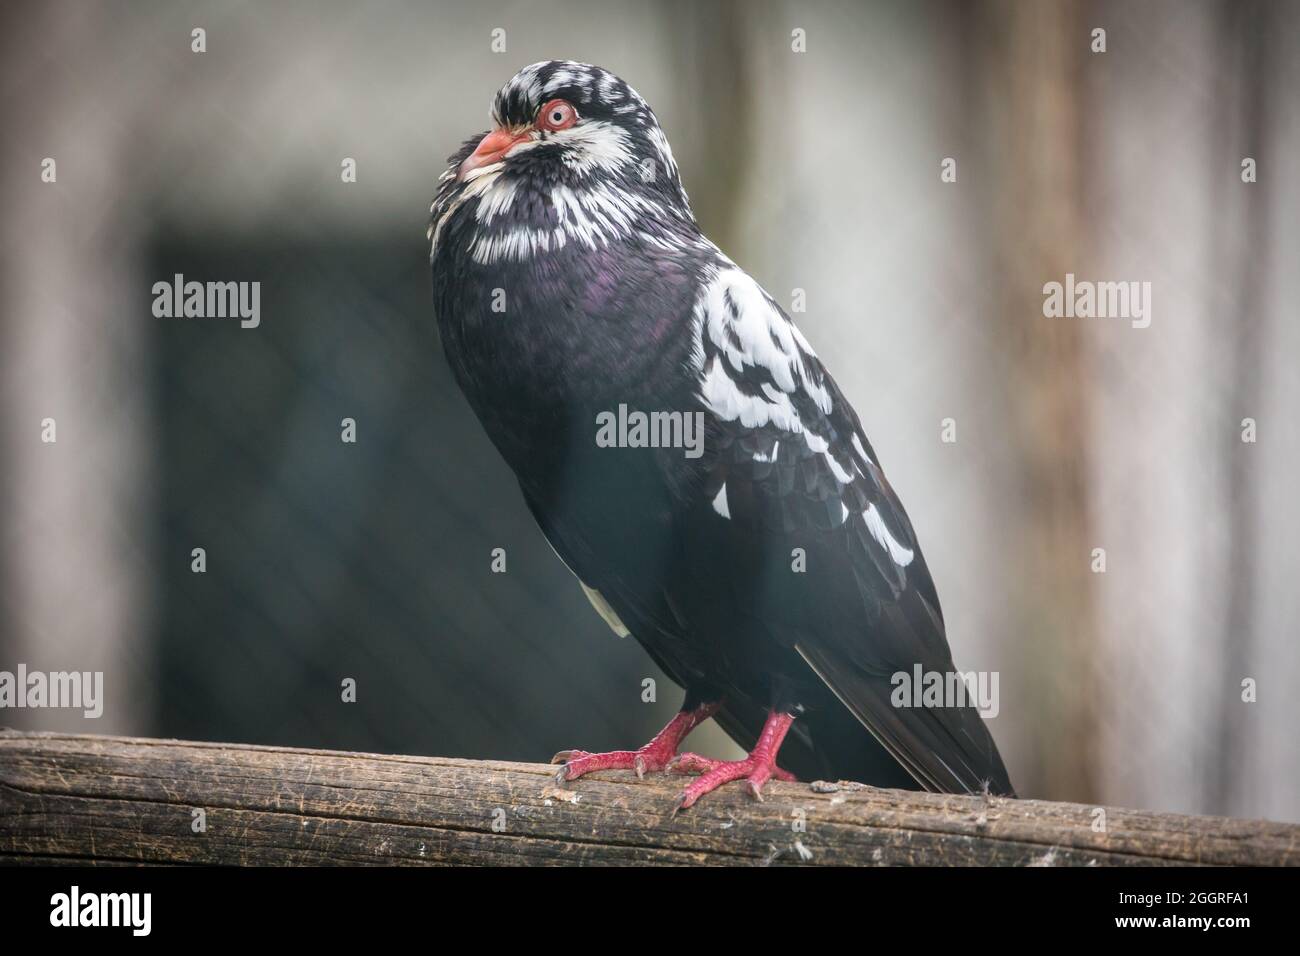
{"x":816,"y":170}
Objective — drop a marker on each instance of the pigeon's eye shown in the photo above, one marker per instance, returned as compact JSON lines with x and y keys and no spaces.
{"x":557,"y":114}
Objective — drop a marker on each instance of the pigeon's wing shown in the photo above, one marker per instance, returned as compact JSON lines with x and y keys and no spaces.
{"x":628,"y":611}
{"x":792,"y":469}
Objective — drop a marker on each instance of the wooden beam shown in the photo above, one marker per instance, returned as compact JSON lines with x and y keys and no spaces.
{"x":114,"y":799}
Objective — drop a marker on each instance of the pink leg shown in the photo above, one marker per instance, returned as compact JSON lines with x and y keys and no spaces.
{"x":759,"y":767}
{"x":653,"y":756}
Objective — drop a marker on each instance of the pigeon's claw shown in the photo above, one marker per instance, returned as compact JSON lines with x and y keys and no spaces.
{"x":651,"y":757}
{"x":654,"y":756}
{"x":756,"y":769}
{"x":714,"y":773}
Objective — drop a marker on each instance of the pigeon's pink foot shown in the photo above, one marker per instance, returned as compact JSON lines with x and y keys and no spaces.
{"x":757,"y":769}
{"x":655,"y":755}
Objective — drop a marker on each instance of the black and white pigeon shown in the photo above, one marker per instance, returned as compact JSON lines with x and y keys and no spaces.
{"x":772,"y":572}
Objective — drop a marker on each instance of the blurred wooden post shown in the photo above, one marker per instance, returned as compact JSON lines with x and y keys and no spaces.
{"x":1028,"y":103}
{"x":76,"y":588}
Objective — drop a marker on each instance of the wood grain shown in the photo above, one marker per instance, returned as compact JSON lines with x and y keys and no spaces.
{"x":107,"y":800}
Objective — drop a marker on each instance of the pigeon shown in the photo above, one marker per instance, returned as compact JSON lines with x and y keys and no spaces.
{"x":688,"y":456}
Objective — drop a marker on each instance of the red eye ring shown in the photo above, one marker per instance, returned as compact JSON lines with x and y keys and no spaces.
{"x":556,"y":115}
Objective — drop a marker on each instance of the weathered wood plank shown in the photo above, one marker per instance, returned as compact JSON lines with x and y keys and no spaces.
{"x":113,"y":800}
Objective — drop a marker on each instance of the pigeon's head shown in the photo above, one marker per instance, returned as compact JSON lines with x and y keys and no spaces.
{"x":573,"y":135}
{"x":573,"y":122}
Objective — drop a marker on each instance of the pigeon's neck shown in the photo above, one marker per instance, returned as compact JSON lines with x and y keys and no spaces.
{"x":503,"y":218}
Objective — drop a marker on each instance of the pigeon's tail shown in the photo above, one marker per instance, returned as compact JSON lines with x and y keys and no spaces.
{"x":946,"y":749}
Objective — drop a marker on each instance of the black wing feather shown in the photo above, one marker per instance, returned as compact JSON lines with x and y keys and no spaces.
{"x":874,"y":610}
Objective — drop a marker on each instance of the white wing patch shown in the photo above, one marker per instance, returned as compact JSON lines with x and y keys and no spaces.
{"x":605,"y":611}
{"x":862,"y":452}
{"x":730,"y":404}
{"x":720,"y":502}
{"x":842,"y":476}
{"x":743,"y":329}
{"x":746,"y":328}
{"x":901,"y":554}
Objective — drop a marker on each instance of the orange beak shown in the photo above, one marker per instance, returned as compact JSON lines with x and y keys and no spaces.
{"x":492,"y":148}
